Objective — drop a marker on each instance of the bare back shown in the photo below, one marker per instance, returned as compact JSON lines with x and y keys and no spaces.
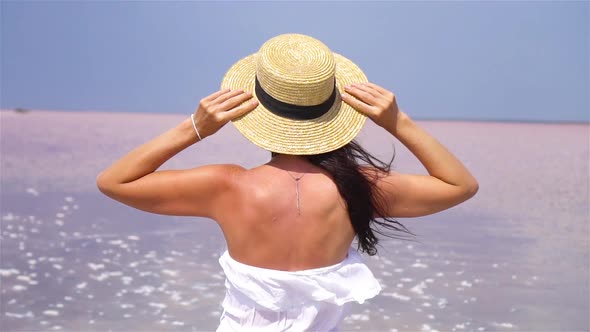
{"x":263,"y":226}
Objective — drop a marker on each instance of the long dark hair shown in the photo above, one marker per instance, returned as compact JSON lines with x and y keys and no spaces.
{"x":355,"y":172}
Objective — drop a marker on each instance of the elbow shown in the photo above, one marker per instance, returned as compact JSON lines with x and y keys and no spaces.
{"x":100,"y":184}
{"x":471,"y":189}
{"x":103,"y":184}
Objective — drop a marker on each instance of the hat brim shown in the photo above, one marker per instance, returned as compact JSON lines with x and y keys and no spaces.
{"x":334,"y":129}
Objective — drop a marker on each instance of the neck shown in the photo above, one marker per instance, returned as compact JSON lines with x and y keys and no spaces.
{"x":291,"y":163}
{"x":286,"y":157}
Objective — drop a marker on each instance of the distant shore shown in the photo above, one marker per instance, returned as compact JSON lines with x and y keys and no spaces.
{"x":422,"y":119}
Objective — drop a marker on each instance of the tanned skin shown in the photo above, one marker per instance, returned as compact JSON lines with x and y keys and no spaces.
{"x":256,"y":208}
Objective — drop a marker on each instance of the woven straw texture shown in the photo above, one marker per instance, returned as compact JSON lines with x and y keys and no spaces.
{"x":300,"y":70}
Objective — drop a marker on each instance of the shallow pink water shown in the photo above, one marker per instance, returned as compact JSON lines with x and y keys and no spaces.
{"x":516,"y":257}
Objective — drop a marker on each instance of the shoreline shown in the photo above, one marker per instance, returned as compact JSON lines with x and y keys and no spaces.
{"x":419,"y":119}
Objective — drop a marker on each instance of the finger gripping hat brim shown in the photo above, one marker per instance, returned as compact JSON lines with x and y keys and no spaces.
{"x":280,"y":134}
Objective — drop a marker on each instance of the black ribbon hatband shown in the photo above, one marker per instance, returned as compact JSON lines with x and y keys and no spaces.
{"x":290,"y":111}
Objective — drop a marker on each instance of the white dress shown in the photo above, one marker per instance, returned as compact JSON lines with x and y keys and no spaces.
{"x":259,"y":299}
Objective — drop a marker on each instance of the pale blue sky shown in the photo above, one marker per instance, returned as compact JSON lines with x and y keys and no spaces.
{"x":444,"y":60}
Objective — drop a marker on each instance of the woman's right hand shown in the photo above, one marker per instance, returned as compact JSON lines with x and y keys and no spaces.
{"x":448,"y":183}
{"x":375,"y":102}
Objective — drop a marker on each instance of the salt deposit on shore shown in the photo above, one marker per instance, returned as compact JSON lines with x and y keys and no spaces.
{"x":513,"y":258}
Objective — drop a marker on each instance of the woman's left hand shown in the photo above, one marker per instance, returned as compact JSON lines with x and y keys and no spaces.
{"x":219,"y":108}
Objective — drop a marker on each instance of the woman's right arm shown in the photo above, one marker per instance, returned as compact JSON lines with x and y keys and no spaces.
{"x":448,"y":183}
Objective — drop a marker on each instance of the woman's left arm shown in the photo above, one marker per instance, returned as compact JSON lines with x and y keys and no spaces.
{"x":134,"y":181}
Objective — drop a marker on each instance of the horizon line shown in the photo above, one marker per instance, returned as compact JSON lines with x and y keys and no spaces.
{"x":21,"y":110}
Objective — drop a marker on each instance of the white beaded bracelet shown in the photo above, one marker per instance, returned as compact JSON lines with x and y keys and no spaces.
{"x":195,"y":125}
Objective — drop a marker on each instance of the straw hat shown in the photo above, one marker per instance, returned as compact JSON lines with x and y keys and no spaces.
{"x":298,"y":82}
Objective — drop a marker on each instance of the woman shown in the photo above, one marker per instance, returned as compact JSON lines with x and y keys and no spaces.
{"x":289,"y":224}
